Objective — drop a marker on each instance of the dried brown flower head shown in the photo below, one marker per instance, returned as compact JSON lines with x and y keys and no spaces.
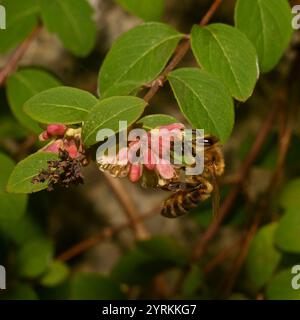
{"x":63,"y":172}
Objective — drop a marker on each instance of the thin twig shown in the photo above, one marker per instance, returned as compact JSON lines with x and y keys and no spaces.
{"x":13,"y":61}
{"x":233,"y":272}
{"x":230,"y":180}
{"x":140,"y":231}
{"x":161,"y":290}
{"x":102,"y":235}
{"x":209,"y":267}
{"x":285,"y":135}
{"x":210,"y":13}
{"x":223,"y":255}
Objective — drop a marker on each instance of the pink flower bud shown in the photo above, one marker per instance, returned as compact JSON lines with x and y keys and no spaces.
{"x":135,"y":172}
{"x":165,"y":169}
{"x":44,"y":136}
{"x":56,"y":129}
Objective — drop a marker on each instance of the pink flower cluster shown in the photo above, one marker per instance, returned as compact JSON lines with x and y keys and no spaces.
{"x":58,"y":132}
{"x":153,"y":160}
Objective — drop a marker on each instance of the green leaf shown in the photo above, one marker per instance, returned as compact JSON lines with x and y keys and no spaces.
{"x":60,"y":105}
{"x":59,"y":292}
{"x":238,"y":296}
{"x":12,"y":206}
{"x":202,"y":215}
{"x":227,"y":53}
{"x":163,"y":246}
{"x":287,"y":235}
{"x":136,"y":267}
{"x":192,"y":281}
{"x":125,"y":88}
{"x":27,"y":83}
{"x":10,"y":128}
{"x":21,"y":18}
{"x":137,"y":58}
{"x":21,"y":291}
{"x":204,"y":101}
{"x":20,"y":181}
{"x":25,"y":230}
{"x":145,"y":9}
{"x":55,"y":275}
{"x":156,"y":120}
{"x":267,"y":23}
{"x":34,"y":257}
{"x":289,"y":198}
{"x":72,"y":21}
{"x":263,"y":258}
{"x":280,"y":288}
{"x":148,"y":259}
{"x":107,"y":113}
{"x":89,"y":286}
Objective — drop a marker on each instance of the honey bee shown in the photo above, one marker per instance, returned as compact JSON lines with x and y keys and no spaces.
{"x":197,"y":188}
{"x":188,"y":190}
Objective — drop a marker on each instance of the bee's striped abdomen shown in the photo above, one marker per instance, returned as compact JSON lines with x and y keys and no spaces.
{"x":175,"y":205}
{"x":184,"y":200}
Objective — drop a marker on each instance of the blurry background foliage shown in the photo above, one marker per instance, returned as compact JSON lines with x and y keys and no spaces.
{"x":248,"y":45}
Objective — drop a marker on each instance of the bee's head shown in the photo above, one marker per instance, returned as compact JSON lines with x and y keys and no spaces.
{"x":210,"y":141}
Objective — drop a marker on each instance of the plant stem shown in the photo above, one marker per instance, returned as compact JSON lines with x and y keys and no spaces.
{"x":140,"y":231}
{"x":14,"y":60}
{"x":102,"y":235}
